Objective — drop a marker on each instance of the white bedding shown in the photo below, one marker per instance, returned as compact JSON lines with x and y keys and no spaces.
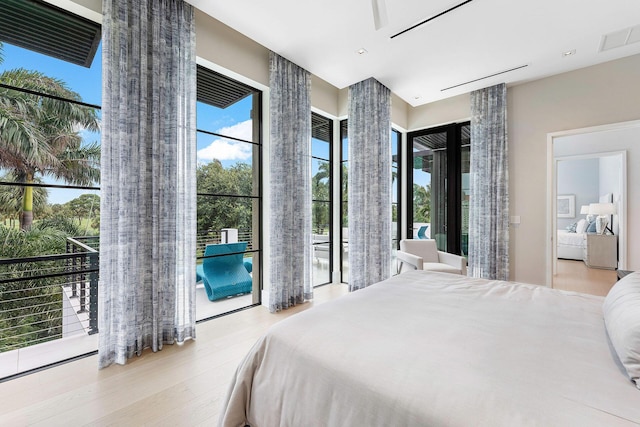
{"x":437,"y":349}
{"x":570,"y":245}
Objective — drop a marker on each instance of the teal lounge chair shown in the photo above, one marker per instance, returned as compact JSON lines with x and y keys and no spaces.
{"x":422,"y":232}
{"x":226,"y":275}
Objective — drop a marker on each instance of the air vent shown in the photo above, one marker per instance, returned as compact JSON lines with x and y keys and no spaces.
{"x":413,"y":27}
{"x":620,"y":38}
{"x":485,"y":77}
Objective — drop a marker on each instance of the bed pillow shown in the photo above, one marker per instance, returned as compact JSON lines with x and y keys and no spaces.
{"x":571,"y":228}
{"x":622,"y":319}
{"x":581,"y":226}
{"x":591,"y":228}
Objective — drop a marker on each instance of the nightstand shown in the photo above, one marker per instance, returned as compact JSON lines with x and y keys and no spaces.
{"x":601,"y":251}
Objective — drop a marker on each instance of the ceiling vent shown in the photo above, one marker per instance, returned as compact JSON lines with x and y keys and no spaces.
{"x":620,"y":38}
{"x":485,"y":77}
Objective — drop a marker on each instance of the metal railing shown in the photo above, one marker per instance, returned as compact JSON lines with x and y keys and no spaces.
{"x":44,"y":297}
{"x":84,"y":269}
{"x":37,"y":296}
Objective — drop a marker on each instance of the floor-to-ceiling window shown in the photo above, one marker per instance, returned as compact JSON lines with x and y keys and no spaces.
{"x":229,"y":192}
{"x":438,"y":186}
{"x":321,"y":188}
{"x":344,"y":202}
{"x":50,"y":96}
{"x":396,"y":139}
{"x":396,"y":224}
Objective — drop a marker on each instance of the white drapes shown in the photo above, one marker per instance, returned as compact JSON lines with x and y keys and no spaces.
{"x":369,"y":181}
{"x":148,"y":210}
{"x":489,"y":199}
{"x":290,"y":161}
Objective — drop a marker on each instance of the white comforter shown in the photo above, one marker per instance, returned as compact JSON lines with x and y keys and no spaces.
{"x":437,"y":349}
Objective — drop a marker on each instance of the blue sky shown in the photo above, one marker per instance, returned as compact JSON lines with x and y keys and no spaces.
{"x":233,"y":121}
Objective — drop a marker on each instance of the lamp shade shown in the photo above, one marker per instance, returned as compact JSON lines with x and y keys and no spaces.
{"x":584,"y":209}
{"x":602,"y":209}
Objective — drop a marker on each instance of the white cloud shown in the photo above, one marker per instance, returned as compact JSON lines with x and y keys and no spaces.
{"x":224,"y":149}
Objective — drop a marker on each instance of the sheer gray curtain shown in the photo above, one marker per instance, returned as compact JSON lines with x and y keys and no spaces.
{"x":290,"y":161}
{"x":369,"y":193}
{"x":148,"y":211}
{"x":489,"y":201}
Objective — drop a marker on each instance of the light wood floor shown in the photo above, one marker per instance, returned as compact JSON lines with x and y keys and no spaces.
{"x":576,"y":276}
{"x":178,"y":386}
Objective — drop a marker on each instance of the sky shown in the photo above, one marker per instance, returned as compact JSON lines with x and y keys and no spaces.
{"x":234,"y":121}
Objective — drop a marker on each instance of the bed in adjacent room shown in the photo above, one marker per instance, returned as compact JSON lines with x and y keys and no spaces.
{"x":570,"y":243}
{"x":425,"y":348}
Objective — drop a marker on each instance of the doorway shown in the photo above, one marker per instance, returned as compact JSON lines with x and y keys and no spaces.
{"x":605,"y":148}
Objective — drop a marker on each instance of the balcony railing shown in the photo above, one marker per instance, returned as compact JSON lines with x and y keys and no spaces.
{"x":43,"y":298}
{"x":47,"y":297}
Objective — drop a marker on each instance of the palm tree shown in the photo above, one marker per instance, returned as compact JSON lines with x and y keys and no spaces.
{"x":11,"y":197}
{"x":40,"y":135}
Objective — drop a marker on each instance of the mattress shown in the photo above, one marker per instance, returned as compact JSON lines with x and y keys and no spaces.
{"x":425,"y":348}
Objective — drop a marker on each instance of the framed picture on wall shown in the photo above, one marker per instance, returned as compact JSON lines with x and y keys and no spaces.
{"x":567,"y":206}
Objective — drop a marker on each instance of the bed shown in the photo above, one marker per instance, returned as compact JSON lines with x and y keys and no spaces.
{"x":571,"y":245}
{"x":426,"y":348}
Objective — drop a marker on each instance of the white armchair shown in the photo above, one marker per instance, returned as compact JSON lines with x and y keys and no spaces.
{"x":423,"y":254}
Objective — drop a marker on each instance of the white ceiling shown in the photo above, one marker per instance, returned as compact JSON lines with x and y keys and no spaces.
{"x":480,"y":38}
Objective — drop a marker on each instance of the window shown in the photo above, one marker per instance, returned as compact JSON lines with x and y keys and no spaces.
{"x":438,"y":188}
{"x":50,"y":94}
{"x":344,"y":201}
{"x":396,"y":138}
{"x":229,"y":153}
{"x":321,"y":189}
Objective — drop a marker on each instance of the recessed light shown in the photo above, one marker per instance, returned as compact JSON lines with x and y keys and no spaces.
{"x":361,"y":51}
{"x":568,"y":53}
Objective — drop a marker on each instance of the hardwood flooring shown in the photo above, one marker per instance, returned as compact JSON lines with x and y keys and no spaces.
{"x":576,"y":276}
{"x":182,"y":385}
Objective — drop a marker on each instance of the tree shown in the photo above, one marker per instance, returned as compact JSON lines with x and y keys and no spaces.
{"x":216,"y":211}
{"x":40,"y":136}
{"x":421,"y":203}
{"x":31,"y":309}
{"x":320,"y":191}
{"x":84,"y":206}
{"x":11,"y":197}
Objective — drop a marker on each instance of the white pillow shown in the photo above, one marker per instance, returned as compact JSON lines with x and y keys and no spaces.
{"x":622,"y":319}
{"x":581,"y":226}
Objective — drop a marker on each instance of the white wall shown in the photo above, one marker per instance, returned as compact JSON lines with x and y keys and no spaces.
{"x":581,"y":178}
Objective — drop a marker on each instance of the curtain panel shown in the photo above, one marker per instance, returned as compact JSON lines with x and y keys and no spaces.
{"x":369,"y":192}
{"x":489,"y":193}
{"x":290,"y":184}
{"x":148,"y":207}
